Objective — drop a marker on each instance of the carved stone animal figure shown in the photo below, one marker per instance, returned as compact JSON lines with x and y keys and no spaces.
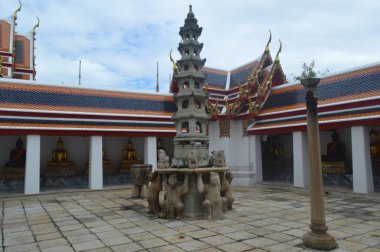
{"x":226,"y":190}
{"x":192,"y":159}
{"x":153,"y":197}
{"x":213,"y":203}
{"x":219,"y":158}
{"x":163,"y":159}
{"x":173,"y":204}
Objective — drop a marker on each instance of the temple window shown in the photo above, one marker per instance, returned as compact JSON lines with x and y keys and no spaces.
{"x":195,"y":53}
{"x":186,"y":67}
{"x":196,"y":68}
{"x":19,"y":52}
{"x":197,"y":104}
{"x":185,"y":104}
{"x":198,"y":127}
{"x":185,"y":127}
{"x":196,"y":85}
{"x":187,"y":52}
{"x":187,"y":36}
{"x":186,"y":85}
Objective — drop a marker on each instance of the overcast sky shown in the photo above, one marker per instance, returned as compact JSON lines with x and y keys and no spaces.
{"x":120,"y":41}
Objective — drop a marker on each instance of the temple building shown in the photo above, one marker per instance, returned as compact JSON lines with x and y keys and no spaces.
{"x":252,"y":113}
{"x":17,"y":59}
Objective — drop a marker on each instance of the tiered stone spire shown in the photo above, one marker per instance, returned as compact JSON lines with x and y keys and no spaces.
{"x":191,"y":118}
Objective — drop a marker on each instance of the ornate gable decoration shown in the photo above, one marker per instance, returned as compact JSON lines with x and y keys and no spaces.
{"x":245,"y":126}
{"x":224,"y":128}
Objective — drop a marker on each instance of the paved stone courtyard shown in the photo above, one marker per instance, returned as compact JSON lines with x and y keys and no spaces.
{"x":263,"y":219}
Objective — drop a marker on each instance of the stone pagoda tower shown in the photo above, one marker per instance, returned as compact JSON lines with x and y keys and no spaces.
{"x":191,"y":118}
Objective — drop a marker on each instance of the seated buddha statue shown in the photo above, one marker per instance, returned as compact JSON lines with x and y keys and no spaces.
{"x":129,"y":158}
{"x":60,"y":165}
{"x":15,"y":167}
{"x":17,"y":156}
{"x":334,"y":161}
{"x":374,"y":144}
{"x":129,"y":153}
{"x":375,"y":152}
{"x":277,"y":149}
{"x":335,"y":149}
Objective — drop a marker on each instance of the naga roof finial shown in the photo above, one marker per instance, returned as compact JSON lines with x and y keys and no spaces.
{"x":269,"y":40}
{"x":174,"y":64}
{"x":17,"y":10}
{"x":277,"y":59}
{"x":36,"y":26}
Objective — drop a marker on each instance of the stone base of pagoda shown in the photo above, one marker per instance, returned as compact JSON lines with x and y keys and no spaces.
{"x":193,"y":199}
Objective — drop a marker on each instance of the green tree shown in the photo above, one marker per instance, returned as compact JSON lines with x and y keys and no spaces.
{"x":308,"y":72}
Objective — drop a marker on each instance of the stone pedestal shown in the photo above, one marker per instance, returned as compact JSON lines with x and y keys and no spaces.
{"x":61,"y":169}
{"x":12,"y":172}
{"x":126,"y":165}
{"x":193,"y":199}
{"x":107,"y":167}
{"x":139,"y":174}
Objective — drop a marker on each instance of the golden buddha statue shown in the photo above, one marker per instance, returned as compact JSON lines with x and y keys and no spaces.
{"x":60,"y":165}
{"x":374,"y":144}
{"x":334,"y":161}
{"x":59,"y":154}
{"x":277,"y":149}
{"x":129,"y":158}
{"x":15,"y":167}
{"x":129,"y":153}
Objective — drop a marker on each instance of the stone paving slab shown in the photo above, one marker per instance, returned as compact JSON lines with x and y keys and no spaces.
{"x":263,"y":218}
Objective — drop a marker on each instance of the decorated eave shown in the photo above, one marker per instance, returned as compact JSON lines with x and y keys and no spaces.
{"x":51,"y":110}
{"x":347,"y":99}
{"x":247,"y":88}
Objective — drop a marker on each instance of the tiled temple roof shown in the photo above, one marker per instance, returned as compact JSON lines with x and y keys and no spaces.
{"x":29,"y":107}
{"x":342,"y":98}
{"x":215,"y":77}
{"x":53,"y":98}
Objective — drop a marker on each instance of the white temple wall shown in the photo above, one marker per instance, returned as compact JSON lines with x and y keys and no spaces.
{"x":77,"y":148}
{"x":8,"y":143}
{"x":239,"y":147}
{"x":213,"y":135}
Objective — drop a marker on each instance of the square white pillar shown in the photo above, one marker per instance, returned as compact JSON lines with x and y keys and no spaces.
{"x":361,"y":160}
{"x":150,"y":151}
{"x":95,"y":172}
{"x":32,"y":164}
{"x":300,"y":160}
{"x":255,"y":156}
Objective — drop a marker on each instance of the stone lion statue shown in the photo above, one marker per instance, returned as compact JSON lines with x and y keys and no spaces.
{"x":219,"y":158}
{"x":163,"y":159}
{"x":192,"y":159}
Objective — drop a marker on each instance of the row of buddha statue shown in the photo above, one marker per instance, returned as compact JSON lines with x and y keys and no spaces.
{"x":60,"y":165}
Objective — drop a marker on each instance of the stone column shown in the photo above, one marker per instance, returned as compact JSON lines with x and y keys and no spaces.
{"x":96,"y":163}
{"x":317,"y":238}
{"x":150,"y":151}
{"x":361,"y":160}
{"x":255,"y":156}
{"x":32,"y":164}
{"x":301,"y":161}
